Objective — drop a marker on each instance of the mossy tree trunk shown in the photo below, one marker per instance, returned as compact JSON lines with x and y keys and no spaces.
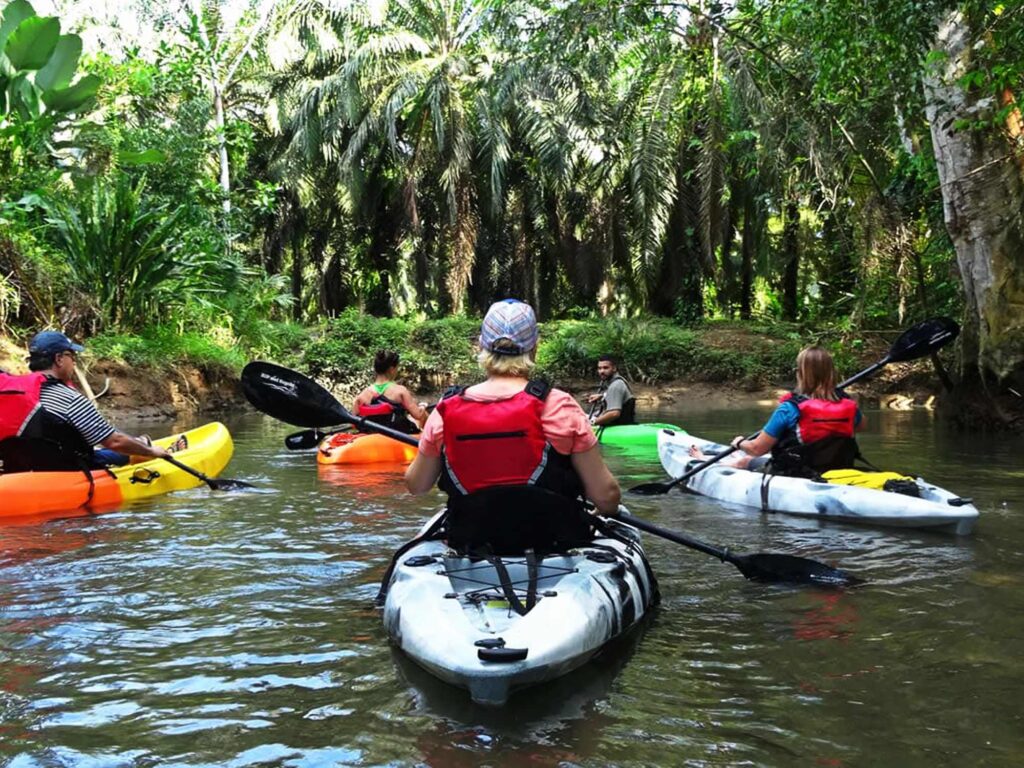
{"x":983,"y":200}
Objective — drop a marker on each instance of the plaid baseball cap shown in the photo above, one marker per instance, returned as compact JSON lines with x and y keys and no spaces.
{"x":509,"y":328}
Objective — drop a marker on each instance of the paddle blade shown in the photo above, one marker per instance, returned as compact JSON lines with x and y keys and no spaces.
{"x":651,"y":489}
{"x":228,"y":485}
{"x":304,"y":440}
{"x":791,"y":569}
{"x":291,"y":397}
{"x":924,"y":338}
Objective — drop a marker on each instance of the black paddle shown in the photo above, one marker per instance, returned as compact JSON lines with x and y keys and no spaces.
{"x":917,"y":341}
{"x":311,"y":438}
{"x":762,"y":566}
{"x":214,"y":483}
{"x":290,"y":397}
{"x":279,"y":392}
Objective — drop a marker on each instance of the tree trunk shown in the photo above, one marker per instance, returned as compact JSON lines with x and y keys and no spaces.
{"x":983,"y":197}
{"x":791,"y":255}
{"x":750,"y":224}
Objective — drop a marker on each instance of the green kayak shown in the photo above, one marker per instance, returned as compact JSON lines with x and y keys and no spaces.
{"x":633,"y":435}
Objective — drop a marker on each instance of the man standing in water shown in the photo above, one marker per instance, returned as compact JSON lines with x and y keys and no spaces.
{"x":618,"y":405}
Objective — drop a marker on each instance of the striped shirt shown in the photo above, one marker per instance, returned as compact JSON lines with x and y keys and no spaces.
{"x":75,"y":408}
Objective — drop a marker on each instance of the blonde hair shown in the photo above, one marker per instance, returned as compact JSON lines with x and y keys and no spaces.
{"x":816,"y":374}
{"x":505,"y":365}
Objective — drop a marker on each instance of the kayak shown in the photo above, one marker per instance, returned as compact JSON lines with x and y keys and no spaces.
{"x":363,"y":448}
{"x":32,"y":493}
{"x":633,"y":435}
{"x":450,"y":614}
{"x":934,"y":507}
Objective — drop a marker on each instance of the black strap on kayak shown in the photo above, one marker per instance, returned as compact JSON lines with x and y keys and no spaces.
{"x":434,"y":532}
{"x":766,"y":479}
{"x":531,"y":575}
{"x":506,"y":585}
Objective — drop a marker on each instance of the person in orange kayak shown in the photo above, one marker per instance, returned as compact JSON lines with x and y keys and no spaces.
{"x":387,"y":403}
{"x":509,"y":431}
{"x":47,"y":424}
{"x":812,"y":429}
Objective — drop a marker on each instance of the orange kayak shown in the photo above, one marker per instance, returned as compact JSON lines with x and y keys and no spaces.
{"x":363,"y":448}
{"x":34,"y":493}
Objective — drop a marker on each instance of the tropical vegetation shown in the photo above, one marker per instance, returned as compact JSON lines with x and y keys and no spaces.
{"x":221,"y":170}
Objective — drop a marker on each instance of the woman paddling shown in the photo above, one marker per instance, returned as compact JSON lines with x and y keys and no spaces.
{"x":812,"y":429}
{"x":385,"y":402}
{"x":510,"y":431}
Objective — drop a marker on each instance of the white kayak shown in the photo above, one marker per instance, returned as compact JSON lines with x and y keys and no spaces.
{"x":452,"y":616}
{"x":935,"y":508}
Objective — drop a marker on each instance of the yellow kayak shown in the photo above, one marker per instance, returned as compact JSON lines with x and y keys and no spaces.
{"x":32,"y":493}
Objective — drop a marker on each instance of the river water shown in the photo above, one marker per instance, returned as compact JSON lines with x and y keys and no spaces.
{"x":237,"y":629}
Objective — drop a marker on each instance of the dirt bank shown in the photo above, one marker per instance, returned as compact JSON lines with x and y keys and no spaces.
{"x":146,"y":393}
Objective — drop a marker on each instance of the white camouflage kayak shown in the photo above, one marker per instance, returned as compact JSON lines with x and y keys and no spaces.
{"x":935,"y":508}
{"x":455,"y":617}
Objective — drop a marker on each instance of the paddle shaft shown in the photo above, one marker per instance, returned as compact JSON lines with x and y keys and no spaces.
{"x":215,"y":485}
{"x":185,"y":468}
{"x":678,"y":538}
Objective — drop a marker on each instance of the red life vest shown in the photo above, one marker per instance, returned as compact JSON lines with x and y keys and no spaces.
{"x":384,"y":411}
{"x":19,"y":402}
{"x":501,"y":442}
{"x":823,"y":439}
{"x":822,"y":418}
{"x":376,"y":408}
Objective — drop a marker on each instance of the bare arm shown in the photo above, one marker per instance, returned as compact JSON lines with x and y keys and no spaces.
{"x":422,"y":474}
{"x":598,"y":483}
{"x":418,"y":413}
{"x":123,"y":443}
{"x":607,"y":417}
{"x":759,"y":446}
{"x":363,"y":398}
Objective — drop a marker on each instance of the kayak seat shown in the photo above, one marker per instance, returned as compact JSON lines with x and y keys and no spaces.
{"x":509,"y":520}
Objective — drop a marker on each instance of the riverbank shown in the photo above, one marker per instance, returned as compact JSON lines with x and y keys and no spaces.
{"x":162,"y":375}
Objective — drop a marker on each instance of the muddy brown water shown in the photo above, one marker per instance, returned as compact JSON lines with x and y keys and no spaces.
{"x":205,"y":629}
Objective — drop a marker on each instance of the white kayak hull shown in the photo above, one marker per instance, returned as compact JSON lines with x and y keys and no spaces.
{"x":448,"y":614}
{"x":825,"y":501}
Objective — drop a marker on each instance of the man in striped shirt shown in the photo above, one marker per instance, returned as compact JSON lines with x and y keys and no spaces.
{"x":54,"y":354}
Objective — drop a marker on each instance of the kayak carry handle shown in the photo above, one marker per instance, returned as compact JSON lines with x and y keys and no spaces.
{"x":502,"y":655}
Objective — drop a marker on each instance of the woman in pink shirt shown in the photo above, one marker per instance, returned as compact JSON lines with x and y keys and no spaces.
{"x":509,"y":431}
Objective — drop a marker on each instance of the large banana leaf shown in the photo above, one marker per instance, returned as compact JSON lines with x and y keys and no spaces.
{"x":73,"y":98}
{"x":61,"y":67}
{"x":33,"y":42}
{"x":14,"y":13}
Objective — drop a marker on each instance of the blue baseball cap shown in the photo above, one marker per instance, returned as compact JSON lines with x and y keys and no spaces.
{"x":509,"y":328}
{"x":52,"y":343}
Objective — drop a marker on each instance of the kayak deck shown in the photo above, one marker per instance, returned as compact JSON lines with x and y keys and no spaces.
{"x":935,"y":508}
{"x":452,"y":616}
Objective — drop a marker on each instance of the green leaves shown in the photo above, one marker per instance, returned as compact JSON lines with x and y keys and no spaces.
{"x":74,"y":98}
{"x":33,"y":42}
{"x":123,"y":250}
{"x":41,"y":63}
{"x":60,"y":68}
